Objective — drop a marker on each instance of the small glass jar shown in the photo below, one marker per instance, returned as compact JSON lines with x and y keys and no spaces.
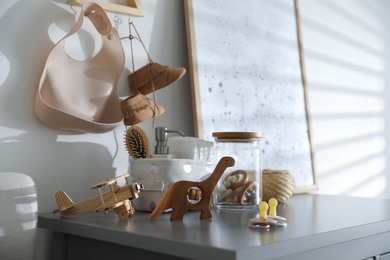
{"x":240,"y":186}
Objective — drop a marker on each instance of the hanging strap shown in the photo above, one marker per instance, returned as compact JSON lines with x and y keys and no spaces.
{"x":131,"y":37}
{"x":138,"y":37}
{"x":97,"y":16}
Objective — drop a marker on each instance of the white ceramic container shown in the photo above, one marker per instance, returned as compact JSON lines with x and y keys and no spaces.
{"x":158,"y":174}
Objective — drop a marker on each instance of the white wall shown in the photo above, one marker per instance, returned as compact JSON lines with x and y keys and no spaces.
{"x":346,"y":47}
{"x":346,"y":59}
{"x":59,"y":160}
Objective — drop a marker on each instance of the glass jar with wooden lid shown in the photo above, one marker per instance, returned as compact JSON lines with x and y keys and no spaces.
{"x":240,"y":186}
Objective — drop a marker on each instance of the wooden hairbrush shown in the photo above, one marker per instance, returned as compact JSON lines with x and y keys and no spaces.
{"x":137,"y":143}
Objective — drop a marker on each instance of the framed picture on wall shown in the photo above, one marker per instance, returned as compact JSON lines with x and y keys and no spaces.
{"x":247,"y":75}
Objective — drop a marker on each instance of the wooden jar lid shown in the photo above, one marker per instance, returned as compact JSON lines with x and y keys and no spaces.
{"x":238,"y":135}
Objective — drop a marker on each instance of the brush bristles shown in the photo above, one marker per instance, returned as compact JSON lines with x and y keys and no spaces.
{"x":137,"y":143}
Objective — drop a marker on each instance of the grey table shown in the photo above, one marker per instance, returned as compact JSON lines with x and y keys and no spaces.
{"x":319,"y":227}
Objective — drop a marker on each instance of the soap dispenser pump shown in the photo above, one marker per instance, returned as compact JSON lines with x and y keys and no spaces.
{"x":162,"y":149}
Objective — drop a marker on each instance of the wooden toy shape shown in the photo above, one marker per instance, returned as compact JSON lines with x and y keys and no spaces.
{"x":117,"y":199}
{"x":178,"y":194}
{"x":272,"y":206}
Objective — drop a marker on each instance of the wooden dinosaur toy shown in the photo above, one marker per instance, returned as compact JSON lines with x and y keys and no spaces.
{"x":179,"y":194}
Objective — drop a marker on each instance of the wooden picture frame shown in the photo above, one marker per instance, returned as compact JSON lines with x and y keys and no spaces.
{"x":132,"y":7}
{"x":221,"y":71}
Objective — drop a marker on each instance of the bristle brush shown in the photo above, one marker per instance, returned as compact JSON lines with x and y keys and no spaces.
{"x":137,"y":143}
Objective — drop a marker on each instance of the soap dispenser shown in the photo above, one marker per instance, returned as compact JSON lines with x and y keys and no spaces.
{"x":162,"y":149}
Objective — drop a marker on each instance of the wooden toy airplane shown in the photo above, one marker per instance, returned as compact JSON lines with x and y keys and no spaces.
{"x":177,"y":196}
{"x":117,"y":199}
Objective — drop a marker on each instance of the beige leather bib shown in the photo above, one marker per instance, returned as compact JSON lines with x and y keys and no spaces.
{"x":78,"y":95}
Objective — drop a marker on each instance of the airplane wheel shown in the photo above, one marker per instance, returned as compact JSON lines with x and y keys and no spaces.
{"x":123,"y":214}
{"x":131,"y":211}
{"x":129,"y":207}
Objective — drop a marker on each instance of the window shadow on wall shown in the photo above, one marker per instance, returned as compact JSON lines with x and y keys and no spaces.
{"x":345,"y":57}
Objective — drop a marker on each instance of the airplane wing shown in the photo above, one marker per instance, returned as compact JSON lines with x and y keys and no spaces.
{"x":110,"y":181}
